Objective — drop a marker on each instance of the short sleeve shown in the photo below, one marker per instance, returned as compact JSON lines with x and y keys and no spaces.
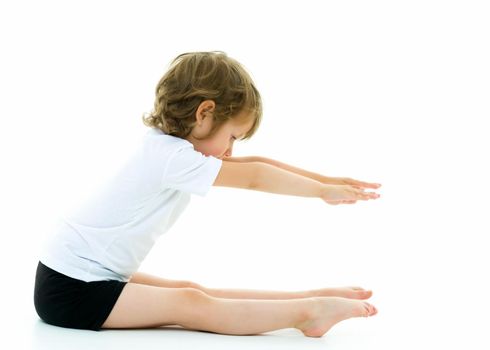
{"x":191,"y":171}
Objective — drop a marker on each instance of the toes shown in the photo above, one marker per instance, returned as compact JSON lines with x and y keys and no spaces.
{"x":370,"y":309}
{"x":367,"y":294}
{"x":367,"y":308}
{"x":357,"y":288}
{"x":362,"y":293}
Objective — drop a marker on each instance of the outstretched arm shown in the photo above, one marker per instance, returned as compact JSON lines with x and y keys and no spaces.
{"x":314,"y":176}
{"x":311,"y":175}
{"x":268,"y":178}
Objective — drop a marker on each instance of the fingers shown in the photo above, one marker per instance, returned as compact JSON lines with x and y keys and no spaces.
{"x":362,"y":184}
{"x":369,"y":195}
{"x":351,"y":194}
{"x":361,"y":195}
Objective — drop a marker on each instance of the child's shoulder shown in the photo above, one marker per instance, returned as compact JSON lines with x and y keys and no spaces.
{"x":156,"y":136}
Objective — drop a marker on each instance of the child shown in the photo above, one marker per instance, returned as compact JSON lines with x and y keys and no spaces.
{"x":87,"y":275}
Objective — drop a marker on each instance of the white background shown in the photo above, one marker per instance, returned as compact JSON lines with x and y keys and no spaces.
{"x":384,"y":91}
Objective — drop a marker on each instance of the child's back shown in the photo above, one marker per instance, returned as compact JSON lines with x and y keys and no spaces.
{"x":111,"y":234}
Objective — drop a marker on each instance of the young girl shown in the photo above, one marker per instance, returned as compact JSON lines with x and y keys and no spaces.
{"x":87,"y":274}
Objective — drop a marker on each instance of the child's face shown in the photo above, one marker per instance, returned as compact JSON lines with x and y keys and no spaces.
{"x":221,"y":144}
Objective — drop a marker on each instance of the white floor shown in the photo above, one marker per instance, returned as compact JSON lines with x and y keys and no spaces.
{"x":380,"y":333}
{"x":353,"y":334}
{"x":46,"y":337}
{"x":443,"y":316}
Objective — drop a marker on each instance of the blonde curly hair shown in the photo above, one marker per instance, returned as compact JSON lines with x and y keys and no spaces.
{"x":194,"y":77}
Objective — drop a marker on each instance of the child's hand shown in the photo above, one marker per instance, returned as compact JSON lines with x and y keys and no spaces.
{"x":351,"y":182}
{"x":346,"y":194}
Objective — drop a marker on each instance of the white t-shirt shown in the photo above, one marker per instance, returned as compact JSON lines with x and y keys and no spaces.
{"x":109,"y":236}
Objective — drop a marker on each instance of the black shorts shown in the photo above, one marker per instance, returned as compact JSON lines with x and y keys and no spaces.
{"x":67,"y":302}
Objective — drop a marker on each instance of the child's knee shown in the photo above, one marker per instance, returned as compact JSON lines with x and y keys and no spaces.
{"x":195,"y":295}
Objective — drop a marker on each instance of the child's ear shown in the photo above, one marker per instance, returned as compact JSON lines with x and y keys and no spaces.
{"x":205,"y":110}
{"x":206,"y":104}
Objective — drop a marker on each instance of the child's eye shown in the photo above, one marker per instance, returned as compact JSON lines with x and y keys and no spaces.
{"x":233,"y":137}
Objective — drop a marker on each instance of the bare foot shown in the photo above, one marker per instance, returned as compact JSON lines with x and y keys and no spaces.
{"x":328,"y":311}
{"x":344,"y":292}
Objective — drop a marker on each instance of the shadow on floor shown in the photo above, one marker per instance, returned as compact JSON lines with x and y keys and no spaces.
{"x":47,"y":337}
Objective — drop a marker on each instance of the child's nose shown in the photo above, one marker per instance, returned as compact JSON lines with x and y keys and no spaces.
{"x":229,"y":151}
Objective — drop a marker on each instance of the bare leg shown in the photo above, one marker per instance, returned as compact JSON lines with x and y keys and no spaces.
{"x":345,"y":292}
{"x":142,"y":306}
{"x":247,"y":317}
{"x":150,"y":280}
